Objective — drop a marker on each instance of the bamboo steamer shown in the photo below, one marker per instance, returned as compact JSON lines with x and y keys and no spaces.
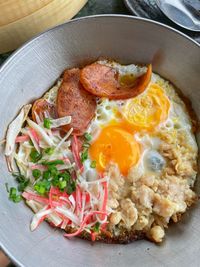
{"x":12,"y":10}
{"x":22,"y":19}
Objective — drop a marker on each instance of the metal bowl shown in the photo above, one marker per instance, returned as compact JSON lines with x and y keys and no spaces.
{"x":30,"y":71}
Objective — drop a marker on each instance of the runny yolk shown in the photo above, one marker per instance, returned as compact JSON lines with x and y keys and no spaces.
{"x":117,"y":145}
{"x":148,"y":110}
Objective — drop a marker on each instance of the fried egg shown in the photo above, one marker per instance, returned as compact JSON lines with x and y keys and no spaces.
{"x":126,"y":132}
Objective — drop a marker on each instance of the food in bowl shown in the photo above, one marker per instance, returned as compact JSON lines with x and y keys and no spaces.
{"x":108,"y":153}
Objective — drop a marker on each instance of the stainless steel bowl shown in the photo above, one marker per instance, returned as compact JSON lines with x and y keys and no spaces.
{"x":32,"y":70}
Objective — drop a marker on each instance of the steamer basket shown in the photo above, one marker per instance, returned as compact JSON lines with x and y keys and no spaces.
{"x":22,"y":19}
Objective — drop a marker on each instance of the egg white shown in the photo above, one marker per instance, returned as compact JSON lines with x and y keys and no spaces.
{"x":178,"y":119}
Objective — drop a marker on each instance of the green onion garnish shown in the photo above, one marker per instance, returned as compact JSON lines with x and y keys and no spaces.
{"x":53,"y":170}
{"x":22,"y":180}
{"x":86,"y":145}
{"x":65,"y":176}
{"x":46,"y":175}
{"x":14,"y":196}
{"x":71,"y":188}
{"x":35,"y":156}
{"x":88,"y":136}
{"x":96,"y":227}
{"x":84,"y":155}
{"x":23,"y":185}
{"x":42,"y":187}
{"x":49,"y":150}
{"x":93,"y":164}
{"x":62,"y":184}
{"x":47,"y":123}
{"x":36,"y":173}
{"x":30,"y":142}
{"x":53,"y":162}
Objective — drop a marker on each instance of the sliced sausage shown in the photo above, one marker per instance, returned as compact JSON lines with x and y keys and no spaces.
{"x":102,"y":81}
{"x":74,"y":101}
{"x":40,"y":107}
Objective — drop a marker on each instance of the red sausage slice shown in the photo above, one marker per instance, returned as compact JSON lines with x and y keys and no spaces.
{"x":73,"y":100}
{"x":41,"y":106}
{"x":102,"y":81}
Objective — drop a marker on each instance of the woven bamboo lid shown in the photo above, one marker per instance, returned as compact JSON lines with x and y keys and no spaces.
{"x":22,"y":19}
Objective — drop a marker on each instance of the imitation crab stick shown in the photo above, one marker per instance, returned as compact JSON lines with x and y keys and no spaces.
{"x":22,"y":138}
{"x":75,"y":152}
{"x":84,"y":223}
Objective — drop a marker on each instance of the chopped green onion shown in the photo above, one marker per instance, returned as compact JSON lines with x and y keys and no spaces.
{"x":71,"y":188}
{"x":47,"y":123}
{"x":23,"y":185}
{"x":13,"y":192}
{"x":22,"y":180}
{"x":46,"y":175}
{"x":19,"y":177}
{"x":62,"y":184}
{"x":53,"y":162}
{"x":93,"y":164}
{"x":30,"y":142}
{"x":14,"y":196}
{"x":36,"y":173}
{"x":35,"y":156}
{"x":55,"y":181}
{"x":96,"y":227}
{"x":49,"y":150}
{"x":86,"y":145}
{"x":65,"y":176}
{"x":88,"y":136}
{"x":84,"y":155}
{"x":42,"y":187}
{"x":53,"y":171}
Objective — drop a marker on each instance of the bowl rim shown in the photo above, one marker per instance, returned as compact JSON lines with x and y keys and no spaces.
{"x":37,"y":36}
{"x":76,"y":20}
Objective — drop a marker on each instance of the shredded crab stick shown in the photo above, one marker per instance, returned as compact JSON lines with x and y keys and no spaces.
{"x":84,"y":223}
{"x":64,"y":139}
{"x":22,"y":138}
{"x":78,"y":199}
{"x":75,"y":152}
{"x":39,"y":217}
{"x":72,"y":200}
{"x":93,"y":236}
{"x":75,"y":210}
{"x":43,"y":200}
{"x":37,"y":166}
{"x":14,"y":129}
{"x":35,"y":135}
{"x":62,"y":198}
{"x":34,"y":138}
{"x":79,"y":209}
{"x":69,"y":214}
{"x":83,"y":202}
{"x":105,"y":198}
{"x":41,"y":132}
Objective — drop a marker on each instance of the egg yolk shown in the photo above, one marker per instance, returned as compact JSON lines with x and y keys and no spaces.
{"x":148,"y":110}
{"x":115,"y":144}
